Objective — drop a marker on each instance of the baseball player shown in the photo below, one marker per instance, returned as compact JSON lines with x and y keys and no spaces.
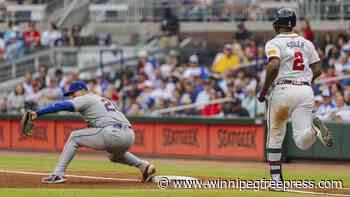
{"x":108,"y":130}
{"x":293,"y":65}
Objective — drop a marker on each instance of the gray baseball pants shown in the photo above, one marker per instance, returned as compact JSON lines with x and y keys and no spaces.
{"x":116,"y":141}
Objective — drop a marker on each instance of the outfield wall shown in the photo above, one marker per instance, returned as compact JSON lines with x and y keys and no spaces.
{"x":201,"y":138}
{"x":170,"y":137}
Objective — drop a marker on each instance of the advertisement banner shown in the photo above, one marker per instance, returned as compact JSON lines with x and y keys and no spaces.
{"x":43,"y":137}
{"x":64,"y":129}
{"x":237,"y":141}
{"x":181,"y":139}
{"x":144,"y":136}
{"x":5,"y":132}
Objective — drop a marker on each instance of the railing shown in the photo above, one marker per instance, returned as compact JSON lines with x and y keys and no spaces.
{"x":151,"y":11}
{"x":69,"y":58}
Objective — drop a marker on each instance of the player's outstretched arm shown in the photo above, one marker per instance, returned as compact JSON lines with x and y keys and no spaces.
{"x":55,"y":107}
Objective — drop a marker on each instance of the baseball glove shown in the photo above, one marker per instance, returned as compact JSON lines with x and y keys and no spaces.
{"x":27,"y":123}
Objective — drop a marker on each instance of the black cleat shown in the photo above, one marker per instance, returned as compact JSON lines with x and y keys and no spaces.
{"x":53,"y":179}
{"x":323,"y":133}
{"x":148,"y":173}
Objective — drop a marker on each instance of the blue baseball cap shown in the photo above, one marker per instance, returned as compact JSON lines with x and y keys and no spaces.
{"x":76,"y":86}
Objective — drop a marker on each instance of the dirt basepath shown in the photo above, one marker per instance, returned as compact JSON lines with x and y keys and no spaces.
{"x":13,"y":180}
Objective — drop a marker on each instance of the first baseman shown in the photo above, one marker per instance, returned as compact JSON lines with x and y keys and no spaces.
{"x":293,"y":65}
{"x":108,"y":130}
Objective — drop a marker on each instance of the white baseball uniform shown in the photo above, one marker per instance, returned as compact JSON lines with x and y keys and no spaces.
{"x":286,"y":101}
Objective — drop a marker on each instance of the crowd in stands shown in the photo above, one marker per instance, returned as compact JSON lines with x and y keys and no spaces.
{"x":183,"y":79}
{"x":20,"y":2}
{"x":19,"y":39}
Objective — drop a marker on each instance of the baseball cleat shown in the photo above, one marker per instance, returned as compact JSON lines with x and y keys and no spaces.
{"x":53,"y":179}
{"x":148,"y":173}
{"x":323,"y":133}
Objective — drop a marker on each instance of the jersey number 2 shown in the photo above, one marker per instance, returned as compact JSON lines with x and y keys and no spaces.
{"x":108,"y":105}
{"x":298,"y":61}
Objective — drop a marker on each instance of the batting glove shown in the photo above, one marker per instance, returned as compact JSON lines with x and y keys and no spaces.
{"x":262,"y":96}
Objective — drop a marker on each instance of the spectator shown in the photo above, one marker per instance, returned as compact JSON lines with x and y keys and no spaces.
{"x":134,"y":110}
{"x":342,"y":65}
{"x":234,"y":109}
{"x":347,"y":94}
{"x":145,"y":66}
{"x":189,"y":95}
{"x":170,"y":65}
{"x":342,"y":113}
{"x":75,"y":39}
{"x":3,"y":10}
{"x":192,"y":69}
{"x":15,"y":101}
{"x":111,"y":93}
{"x":332,"y":56}
{"x":327,"y":106}
{"x":195,"y":70}
{"x":204,"y":96}
{"x":42,"y":74}
{"x":32,"y":99}
{"x":51,"y":36}
{"x":2,"y":47}
{"x":100,"y":84}
{"x":51,"y":93}
{"x":251,"y":104}
{"x":242,"y":33}
{"x":251,"y":51}
{"x":13,"y":44}
{"x":318,"y":100}
{"x":31,"y":37}
{"x":170,"y":28}
{"x":104,"y":39}
{"x":27,"y":83}
{"x":225,"y":61}
{"x":160,"y":92}
{"x":145,"y":99}
{"x":307,"y":31}
{"x":212,"y":109}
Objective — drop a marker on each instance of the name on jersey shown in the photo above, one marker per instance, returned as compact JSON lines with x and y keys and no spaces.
{"x":296,"y":44}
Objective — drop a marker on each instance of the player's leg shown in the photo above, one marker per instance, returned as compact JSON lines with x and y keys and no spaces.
{"x":277,"y":117}
{"x":118,"y":151}
{"x":90,"y":137}
{"x":307,"y":128}
{"x":147,"y":169}
{"x":303,"y":134}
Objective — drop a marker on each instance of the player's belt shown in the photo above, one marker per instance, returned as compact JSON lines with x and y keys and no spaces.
{"x":121,"y":126}
{"x":290,"y":82}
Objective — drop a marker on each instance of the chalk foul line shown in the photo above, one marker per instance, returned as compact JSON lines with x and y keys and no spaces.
{"x":316,"y":193}
{"x":68,"y":175}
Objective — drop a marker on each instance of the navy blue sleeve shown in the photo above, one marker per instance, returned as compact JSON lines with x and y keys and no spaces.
{"x":60,"y":106}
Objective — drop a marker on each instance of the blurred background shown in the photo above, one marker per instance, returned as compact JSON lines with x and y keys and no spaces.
{"x":164,"y":58}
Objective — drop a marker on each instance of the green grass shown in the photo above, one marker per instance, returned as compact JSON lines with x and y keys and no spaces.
{"x":231,"y":170}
